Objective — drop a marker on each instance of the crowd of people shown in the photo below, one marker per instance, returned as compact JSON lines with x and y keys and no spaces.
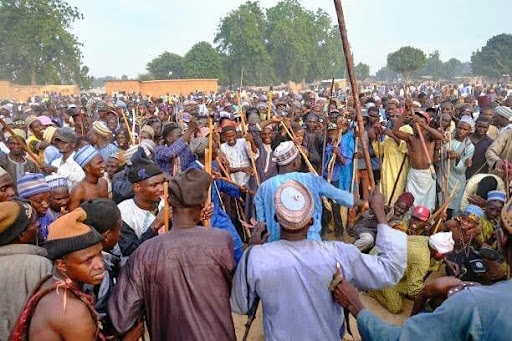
{"x":126,"y":215}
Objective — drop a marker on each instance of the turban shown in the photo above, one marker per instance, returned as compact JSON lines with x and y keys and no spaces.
{"x":285,"y":153}
{"x":32,"y":184}
{"x":85,"y":154}
{"x":68,"y":234}
{"x":294,"y":205}
{"x":442,"y":242}
{"x":189,"y":188}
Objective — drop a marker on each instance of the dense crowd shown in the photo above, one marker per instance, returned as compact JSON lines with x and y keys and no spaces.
{"x":124,"y":214}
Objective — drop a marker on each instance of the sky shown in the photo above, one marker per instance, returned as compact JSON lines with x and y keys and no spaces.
{"x":120,"y":37}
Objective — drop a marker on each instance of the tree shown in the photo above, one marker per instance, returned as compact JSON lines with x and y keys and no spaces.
{"x":433,"y":67}
{"x":362,"y":71}
{"x":452,"y":68}
{"x":240,"y":39}
{"x":166,"y":66}
{"x":145,"y":77}
{"x":495,"y":58}
{"x":406,"y":60}
{"x":385,"y":74}
{"x":202,"y":61}
{"x":35,"y":45}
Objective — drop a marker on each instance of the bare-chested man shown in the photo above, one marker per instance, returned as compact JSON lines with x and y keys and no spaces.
{"x":94,"y":186}
{"x":420,"y":182}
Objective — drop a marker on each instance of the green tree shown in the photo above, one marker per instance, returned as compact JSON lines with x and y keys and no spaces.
{"x":406,"y":60}
{"x":36,"y":46}
{"x":202,"y":61}
{"x":385,"y":74}
{"x":433,"y":67}
{"x":240,"y":39}
{"x":452,"y":68}
{"x":166,"y":66}
{"x":362,"y":71}
{"x":495,"y":58}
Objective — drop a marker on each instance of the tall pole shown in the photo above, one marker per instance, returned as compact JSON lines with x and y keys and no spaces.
{"x":355,"y":91}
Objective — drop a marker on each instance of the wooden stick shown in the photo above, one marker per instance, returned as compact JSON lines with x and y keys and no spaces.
{"x":308,"y":164}
{"x":396,"y":180}
{"x":33,"y":156}
{"x":330,"y":165}
{"x":425,"y":150}
{"x":353,"y":83}
{"x":208,"y":169}
{"x":269,"y":109}
{"x":326,"y":126}
{"x":166,"y":206}
{"x":444,"y":208}
{"x":448,"y":166}
{"x":354,"y":166}
{"x":127,"y":127}
{"x":249,"y":148}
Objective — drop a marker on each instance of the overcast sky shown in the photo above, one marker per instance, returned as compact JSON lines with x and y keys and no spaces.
{"x":122,"y":36}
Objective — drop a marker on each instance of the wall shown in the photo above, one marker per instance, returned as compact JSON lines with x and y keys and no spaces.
{"x":10,"y":90}
{"x":162,"y":87}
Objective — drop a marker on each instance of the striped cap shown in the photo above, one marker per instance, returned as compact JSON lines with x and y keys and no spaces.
{"x":285,"y":153}
{"x":85,"y":154}
{"x":56,"y":181}
{"x":504,"y":111}
{"x":49,"y":134}
{"x":101,"y":128}
{"x":31,"y":184}
{"x":497,"y":195}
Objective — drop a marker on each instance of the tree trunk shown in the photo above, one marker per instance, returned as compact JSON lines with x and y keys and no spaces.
{"x":33,"y":75}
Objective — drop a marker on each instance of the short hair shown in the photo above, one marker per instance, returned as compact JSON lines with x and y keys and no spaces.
{"x":169,"y":128}
{"x":102,"y":214}
{"x":373,"y":109}
{"x":483,"y":120}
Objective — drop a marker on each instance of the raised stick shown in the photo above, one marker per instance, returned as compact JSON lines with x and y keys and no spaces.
{"x":128,"y":127}
{"x":326,"y":126}
{"x":166,"y":206}
{"x":251,"y":156}
{"x":308,"y":163}
{"x":353,"y":83}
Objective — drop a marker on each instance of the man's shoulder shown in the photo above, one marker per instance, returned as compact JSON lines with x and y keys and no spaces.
{"x":126,"y":205}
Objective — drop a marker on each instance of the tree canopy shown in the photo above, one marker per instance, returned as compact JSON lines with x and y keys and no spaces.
{"x":495,"y":58}
{"x":406,"y":60}
{"x":166,"y":66}
{"x":202,"y":61}
{"x":362,"y":71}
{"x":36,"y":46}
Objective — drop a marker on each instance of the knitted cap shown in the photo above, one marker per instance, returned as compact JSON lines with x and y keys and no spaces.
{"x":101,"y":129}
{"x":504,"y":111}
{"x":56,"y":181}
{"x":32,"y":184}
{"x":142,"y":168}
{"x":30,"y":119}
{"x":68,"y":234}
{"x":294,"y":205}
{"x":285,"y":153}
{"x":19,"y":132}
{"x":84,"y":155}
{"x":189,"y":188}
{"x":406,"y":198}
{"x":14,"y":219}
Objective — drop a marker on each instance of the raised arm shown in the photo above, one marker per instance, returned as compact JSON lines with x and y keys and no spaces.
{"x":396,"y":129}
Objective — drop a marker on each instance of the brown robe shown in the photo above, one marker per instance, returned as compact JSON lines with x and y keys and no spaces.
{"x":181,"y":282}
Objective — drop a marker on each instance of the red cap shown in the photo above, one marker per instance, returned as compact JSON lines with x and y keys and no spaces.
{"x":423,"y":114}
{"x":421,"y":212}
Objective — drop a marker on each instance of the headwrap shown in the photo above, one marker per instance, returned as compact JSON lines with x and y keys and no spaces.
{"x":473,"y":212}
{"x":14,"y":219}
{"x":294,"y":205}
{"x":68,"y":234}
{"x":142,"y":168}
{"x":101,"y":129}
{"x":468,"y":120}
{"x":285,"y":153}
{"x":504,"y":111}
{"x":421,"y":212}
{"x":442,"y":242}
{"x":406,"y":198}
{"x":31,"y":184}
{"x":497,"y":195}
{"x":198,"y":145}
{"x":189,"y":188}
{"x":56,"y":181}
{"x":49,"y":134}
{"x":85,"y":154}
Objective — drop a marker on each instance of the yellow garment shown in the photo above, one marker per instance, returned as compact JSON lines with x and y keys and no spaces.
{"x":31,"y":142}
{"x":392,"y":156}
{"x":418,"y":265}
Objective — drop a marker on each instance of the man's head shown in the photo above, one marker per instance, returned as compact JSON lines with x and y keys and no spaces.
{"x":440,"y":244}
{"x":59,"y":192}
{"x":266,"y":135}
{"x":481,"y":127}
{"x":99,"y":132}
{"x":171,"y":132}
{"x":229,"y":134}
{"x":286,"y":155}
{"x":403,"y":204}
{"x":34,"y":188}
{"x":188,"y":192}
{"x":294,"y":207}
{"x":374,"y":116}
{"x":468,"y":227}
{"x":35,"y":126}
{"x":446,"y":120}
{"x":495,"y":202}
{"x":464,"y":128}
{"x":65,"y":140}
{"x":18,"y":223}
{"x":6,"y":186}
{"x":487,"y":113}
{"x":105,"y":217}
{"x":419,"y":220}
{"x":447,"y":108}
{"x":76,"y":248}
{"x":312,"y":120}
{"x":95,"y":167}
{"x":122,"y":139}
{"x":502,"y":116}
{"x":15,"y":146}
{"x":90,"y":160}
{"x":112,"y":165}
{"x":147,"y":178}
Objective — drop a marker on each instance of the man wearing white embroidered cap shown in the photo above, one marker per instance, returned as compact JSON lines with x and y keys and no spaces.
{"x":291,"y":276}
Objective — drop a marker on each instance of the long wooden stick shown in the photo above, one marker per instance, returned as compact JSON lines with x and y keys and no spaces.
{"x":208,"y":163}
{"x":127,"y":127}
{"x":355,"y":90}
{"x":249,"y":149}
{"x":33,"y":156}
{"x":269,"y":109}
{"x":397,"y":179}
{"x":330,"y":165}
{"x":326,"y":126}
{"x":304,"y":156}
{"x":443,"y":209}
{"x":166,"y":206}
